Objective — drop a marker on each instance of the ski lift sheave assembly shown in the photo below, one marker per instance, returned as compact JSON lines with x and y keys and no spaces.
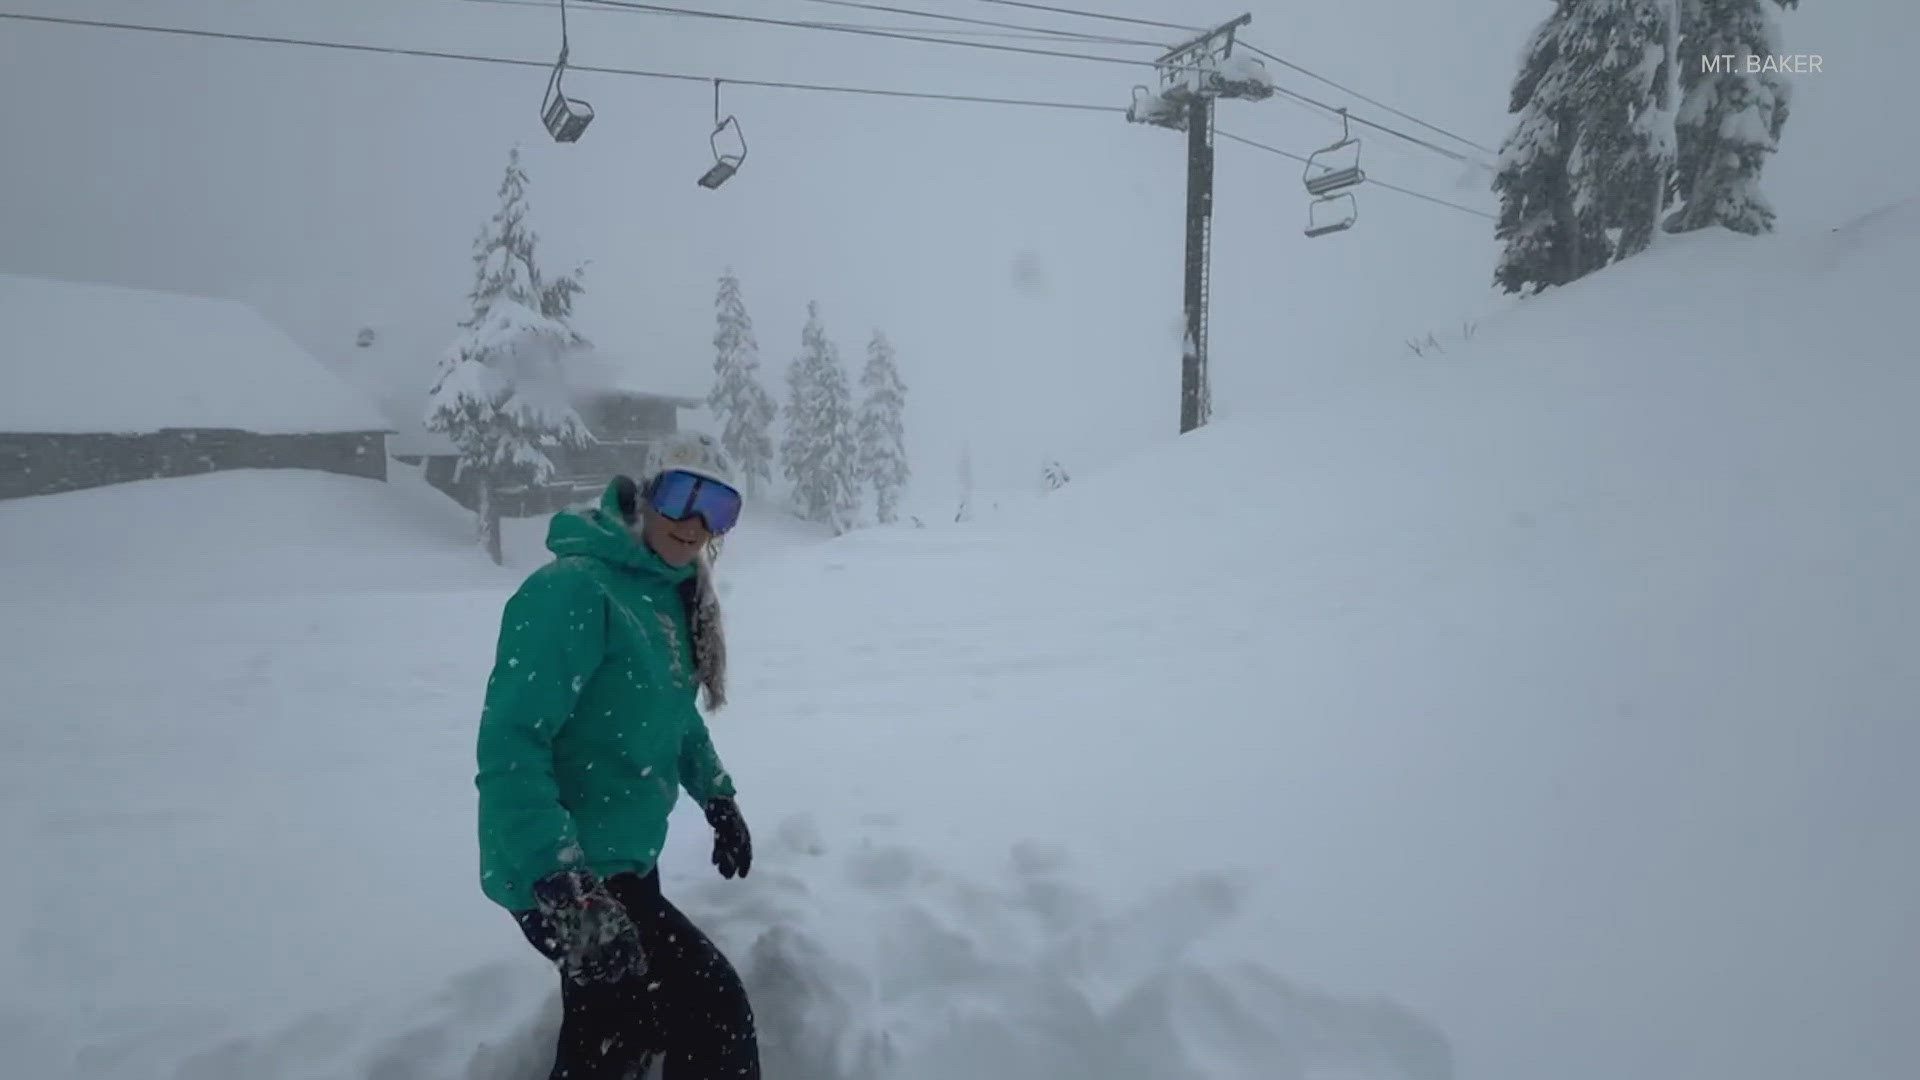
{"x":1204,"y":69}
{"x":565,"y":117}
{"x":724,"y":164}
{"x":1331,"y":170}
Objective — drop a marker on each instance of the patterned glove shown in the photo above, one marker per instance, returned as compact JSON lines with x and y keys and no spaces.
{"x":732,"y":844}
{"x":588,"y":934}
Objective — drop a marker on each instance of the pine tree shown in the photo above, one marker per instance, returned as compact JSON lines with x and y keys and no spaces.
{"x":742,"y":406}
{"x":1622,"y":166}
{"x":500,"y":395}
{"x":1729,"y":120}
{"x":1549,"y":240}
{"x":879,"y":431}
{"x":1585,"y":176}
{"x":817,"y":451}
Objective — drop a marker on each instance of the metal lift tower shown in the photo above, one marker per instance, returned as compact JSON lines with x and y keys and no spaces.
{"x":1191,"y":77}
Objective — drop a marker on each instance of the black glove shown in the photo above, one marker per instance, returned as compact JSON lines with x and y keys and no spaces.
{"x":589,"y":936}
{"x":732,"y":844}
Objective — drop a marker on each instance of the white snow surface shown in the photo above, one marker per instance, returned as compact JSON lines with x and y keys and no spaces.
{"x":1542,"y":707}
{"x":96,"y":358}
{"x":1248,"y":71}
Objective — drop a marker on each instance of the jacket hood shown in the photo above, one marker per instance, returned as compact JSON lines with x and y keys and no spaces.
{"x":602,"y":532}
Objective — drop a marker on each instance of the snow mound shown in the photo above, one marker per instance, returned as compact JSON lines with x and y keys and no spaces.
{"x":875,"y":963}
{"x":249,"y":532}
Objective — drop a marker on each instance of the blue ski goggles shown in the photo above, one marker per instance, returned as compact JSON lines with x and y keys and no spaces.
{"x":680,"y":495}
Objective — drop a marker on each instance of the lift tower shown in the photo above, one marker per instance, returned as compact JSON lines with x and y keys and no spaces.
{"x":1191,"y":77}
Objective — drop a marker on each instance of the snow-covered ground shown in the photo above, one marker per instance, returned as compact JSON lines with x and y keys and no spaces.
{"x":1541,"y":708}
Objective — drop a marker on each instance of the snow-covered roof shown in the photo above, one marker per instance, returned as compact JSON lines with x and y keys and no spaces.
{"x":96,"y":358}
{"x":594,"y":370}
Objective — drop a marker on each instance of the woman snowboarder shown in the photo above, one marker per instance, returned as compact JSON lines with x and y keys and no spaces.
{"x":588,"y":732}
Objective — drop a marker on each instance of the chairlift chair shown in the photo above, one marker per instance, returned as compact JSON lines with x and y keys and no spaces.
{"x":565,"y":117}
{"x":1149,"y":107}
{"x":1238,"y":75}
{"x":724,"y":164}
{"x":1328,"y":215}
{"x":1321,"y":177}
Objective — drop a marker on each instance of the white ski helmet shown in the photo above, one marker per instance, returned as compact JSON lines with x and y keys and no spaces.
{"x":692,"y":451}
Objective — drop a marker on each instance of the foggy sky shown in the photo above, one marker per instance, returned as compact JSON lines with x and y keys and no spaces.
{"x":1025,"y":262}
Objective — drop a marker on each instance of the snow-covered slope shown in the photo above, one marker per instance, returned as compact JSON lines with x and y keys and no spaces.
{"x":1539,"y":708}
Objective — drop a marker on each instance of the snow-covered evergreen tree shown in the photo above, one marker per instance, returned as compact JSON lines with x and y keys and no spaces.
{"x":879,"y":430}
{"x":1586,"y":173}
{"x":739,"y":402}
{"x":817,"y":452}
{"x":1548,"y":238}
{"x":1622,"y":165}
{"x":1730,"y":120}
{"x":501,"y":394}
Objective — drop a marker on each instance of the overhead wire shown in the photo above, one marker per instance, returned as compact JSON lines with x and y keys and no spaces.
{"x":1097,"y":15}
{"x":391,"y":50}
{"x":1276,"y":59}
{"x":1061,"y":36}
{"x":1367,"y":180}
{"x":1371,"y":101}
{"x":1453,"y":155}
{"x":662,"y":9}
{"x":1102,"y":39}
{"x":546,"y":64}
{"x":761,"y":20}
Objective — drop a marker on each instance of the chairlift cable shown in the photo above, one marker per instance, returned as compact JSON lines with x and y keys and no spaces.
{"x":392,"y":50}
{"x":912,"y":35}
{"x":1368,"y":180}
{"x":1098,"y":15}
{"x":1277,"y":59}
{"x":1371,"y":101}
{"x":1057,"y":36}
{"x":1101,"y":39}
{"x":1004,"y":35}
{"x":1334,"y":110}
{"x":543,"y":65}
{"x":661,"y":9}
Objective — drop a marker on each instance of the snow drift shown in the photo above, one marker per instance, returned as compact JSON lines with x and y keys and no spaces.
{"x":244,"y":533}
{"x":1541,"y":707}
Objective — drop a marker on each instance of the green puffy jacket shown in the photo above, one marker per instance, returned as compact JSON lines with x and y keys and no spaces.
{"x":590,"y":727}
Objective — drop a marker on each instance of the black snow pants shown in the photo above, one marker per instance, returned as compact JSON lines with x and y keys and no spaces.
{"x":689,"y":1007}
